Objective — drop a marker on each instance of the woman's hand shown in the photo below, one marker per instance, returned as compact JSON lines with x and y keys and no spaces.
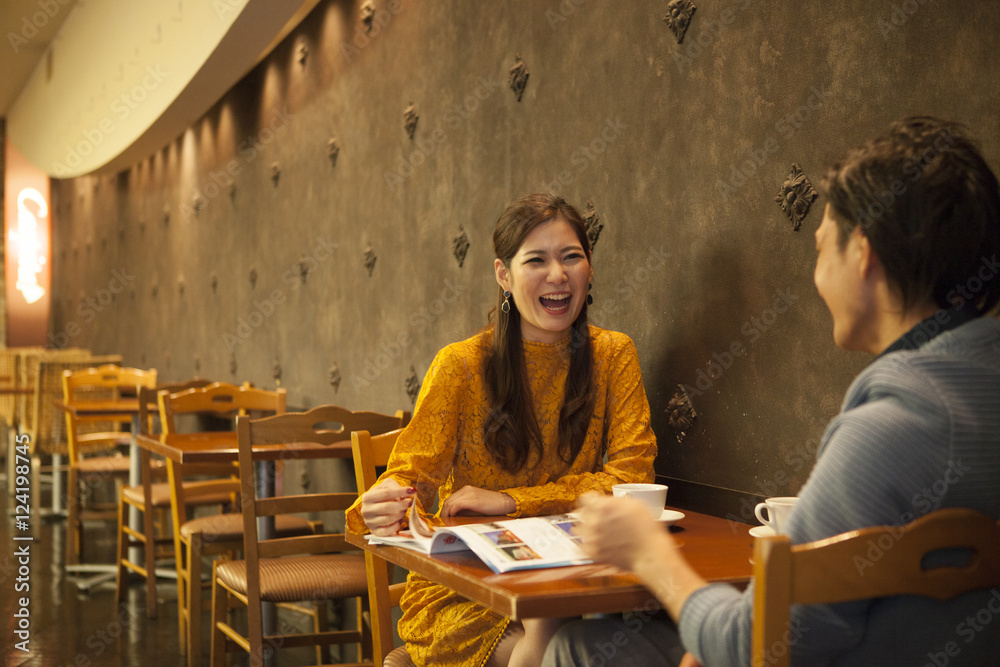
{"x":473,"y":500}
{"x":384,"y":505}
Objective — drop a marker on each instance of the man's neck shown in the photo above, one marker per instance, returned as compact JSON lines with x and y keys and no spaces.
{"x":892,"y":325}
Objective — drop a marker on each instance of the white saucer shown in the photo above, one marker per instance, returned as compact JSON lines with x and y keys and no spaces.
{"x":762,"y":531}
{"x":669,"y":517}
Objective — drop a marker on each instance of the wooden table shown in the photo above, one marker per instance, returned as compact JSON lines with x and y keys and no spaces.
{"x":119,"y":409}
{"x":718,"y":549}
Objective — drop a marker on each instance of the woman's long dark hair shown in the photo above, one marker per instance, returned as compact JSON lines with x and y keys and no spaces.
{"x":511,"y":430}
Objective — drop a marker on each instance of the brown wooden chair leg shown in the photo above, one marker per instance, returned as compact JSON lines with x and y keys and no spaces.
{"x":220,"y":609}
{"x":121,"y":583}
{"x":72,"y":517}
{"x":194,"y":599}
{"x":149,"y":553}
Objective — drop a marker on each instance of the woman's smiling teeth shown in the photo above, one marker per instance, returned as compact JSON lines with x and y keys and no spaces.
{"x":555,"y":303}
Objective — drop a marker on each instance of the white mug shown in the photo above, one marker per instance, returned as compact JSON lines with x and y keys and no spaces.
{"x":653,"y":496}
{"x":777,"y":510}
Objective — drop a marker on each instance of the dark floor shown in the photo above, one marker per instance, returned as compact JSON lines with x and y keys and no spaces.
{"x":71,"y":628}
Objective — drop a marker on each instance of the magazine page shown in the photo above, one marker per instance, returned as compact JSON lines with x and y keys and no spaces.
{"x":511,"y":544}
{"x":520,"y":544}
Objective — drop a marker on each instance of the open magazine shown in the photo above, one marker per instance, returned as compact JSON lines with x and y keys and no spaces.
{"x":505,"y":546}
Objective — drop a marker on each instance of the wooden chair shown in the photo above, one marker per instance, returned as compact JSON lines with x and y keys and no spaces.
{"x":150,"y":498}
{"x":826,"y":571}
{"x":371,"y":452}
{"x":289,"y":570}
{"x":87,"y":435}
{"x":218,"y":534}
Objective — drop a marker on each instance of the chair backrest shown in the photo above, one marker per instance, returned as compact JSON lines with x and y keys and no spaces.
{"x":219,"y":398}
{"x":29,"y":359}
{"x":104,"y":382}
{"x":45,"y":424}
{"x":827,"y":571}
{"x":324,"y":425}
{"x":371,"y":452}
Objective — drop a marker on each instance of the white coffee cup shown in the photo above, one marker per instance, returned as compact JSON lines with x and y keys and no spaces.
{"x":777,"y":510}
{"x":653,"y":496}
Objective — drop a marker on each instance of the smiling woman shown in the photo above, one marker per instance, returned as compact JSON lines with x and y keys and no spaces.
{"x":520,"y":420}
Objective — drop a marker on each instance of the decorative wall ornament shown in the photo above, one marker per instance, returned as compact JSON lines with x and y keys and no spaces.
{"x":796,"y":196}
{"x":303,"y":269}
{"x":276,"y":371}
{"x":333,"y":150}
{"x":678,"y":17}
{"x":304,"y":480}
{"x":518,"y":79}
{"x":197,"y":203}
{"x":232,"y":363}
{"x":681,"y":411}
{"x":460,"y":246}
{"x":370,"y":260}
{"x":594,"y":225}
{"x":368,"y":15}
{"x":413,"y":385}
{"x":181,"y":285}
{"x":253,"y":277}
{"x":410,"y":119}
{"x":302,"y":54}
{"x":333,"y":375}
{"x":166,"y":214}
{"x":275,"y":172}
{"x":232,"y":190}
{"x":215,"y":282}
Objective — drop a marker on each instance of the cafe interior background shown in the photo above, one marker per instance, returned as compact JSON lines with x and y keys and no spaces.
{"x":303,"y":193}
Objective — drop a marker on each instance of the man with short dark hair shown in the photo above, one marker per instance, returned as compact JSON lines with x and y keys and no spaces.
{"x":908,"y":267}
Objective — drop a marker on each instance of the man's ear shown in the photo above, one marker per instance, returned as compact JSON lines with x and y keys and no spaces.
{"x":503,"y":275}
{"x":868,"y":261}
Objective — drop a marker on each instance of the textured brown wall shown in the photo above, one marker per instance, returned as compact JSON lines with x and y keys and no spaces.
{"x":693,"y":254}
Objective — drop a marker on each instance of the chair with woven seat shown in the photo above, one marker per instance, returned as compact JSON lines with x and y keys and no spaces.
{"x":215,"y":534}
{"x":370,"y":453}
{"x":154,"y":495}
{"x":288,"y":570}
{"x":89,"y":435}
{"x":826,"y":571}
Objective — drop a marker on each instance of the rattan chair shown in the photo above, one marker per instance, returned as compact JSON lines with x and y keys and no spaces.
{"x":151,"y":498}
{"x":826,"y":571}
{"x":217,"y":534}
{"x":96,"y":435}
{"x":296,"y":569}
{"x":42,"y":422}
{"x":370,"y":453}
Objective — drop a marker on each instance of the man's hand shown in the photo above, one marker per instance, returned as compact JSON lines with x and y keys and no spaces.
{"x":473,"y":500}
{"x":384,"y":505}
{"x":619,"y":530}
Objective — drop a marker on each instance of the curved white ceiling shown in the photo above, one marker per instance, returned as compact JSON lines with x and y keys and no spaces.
{"x":123,"y":78}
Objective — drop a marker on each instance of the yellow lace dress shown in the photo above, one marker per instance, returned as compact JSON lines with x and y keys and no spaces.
{"x":442,"y":450}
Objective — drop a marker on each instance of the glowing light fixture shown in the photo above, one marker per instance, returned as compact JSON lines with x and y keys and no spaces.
{"x":30,"y":252}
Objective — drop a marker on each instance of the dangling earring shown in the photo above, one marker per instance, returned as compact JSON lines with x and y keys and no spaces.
{"x":505,"y":306}
{"x":590,"y":297}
